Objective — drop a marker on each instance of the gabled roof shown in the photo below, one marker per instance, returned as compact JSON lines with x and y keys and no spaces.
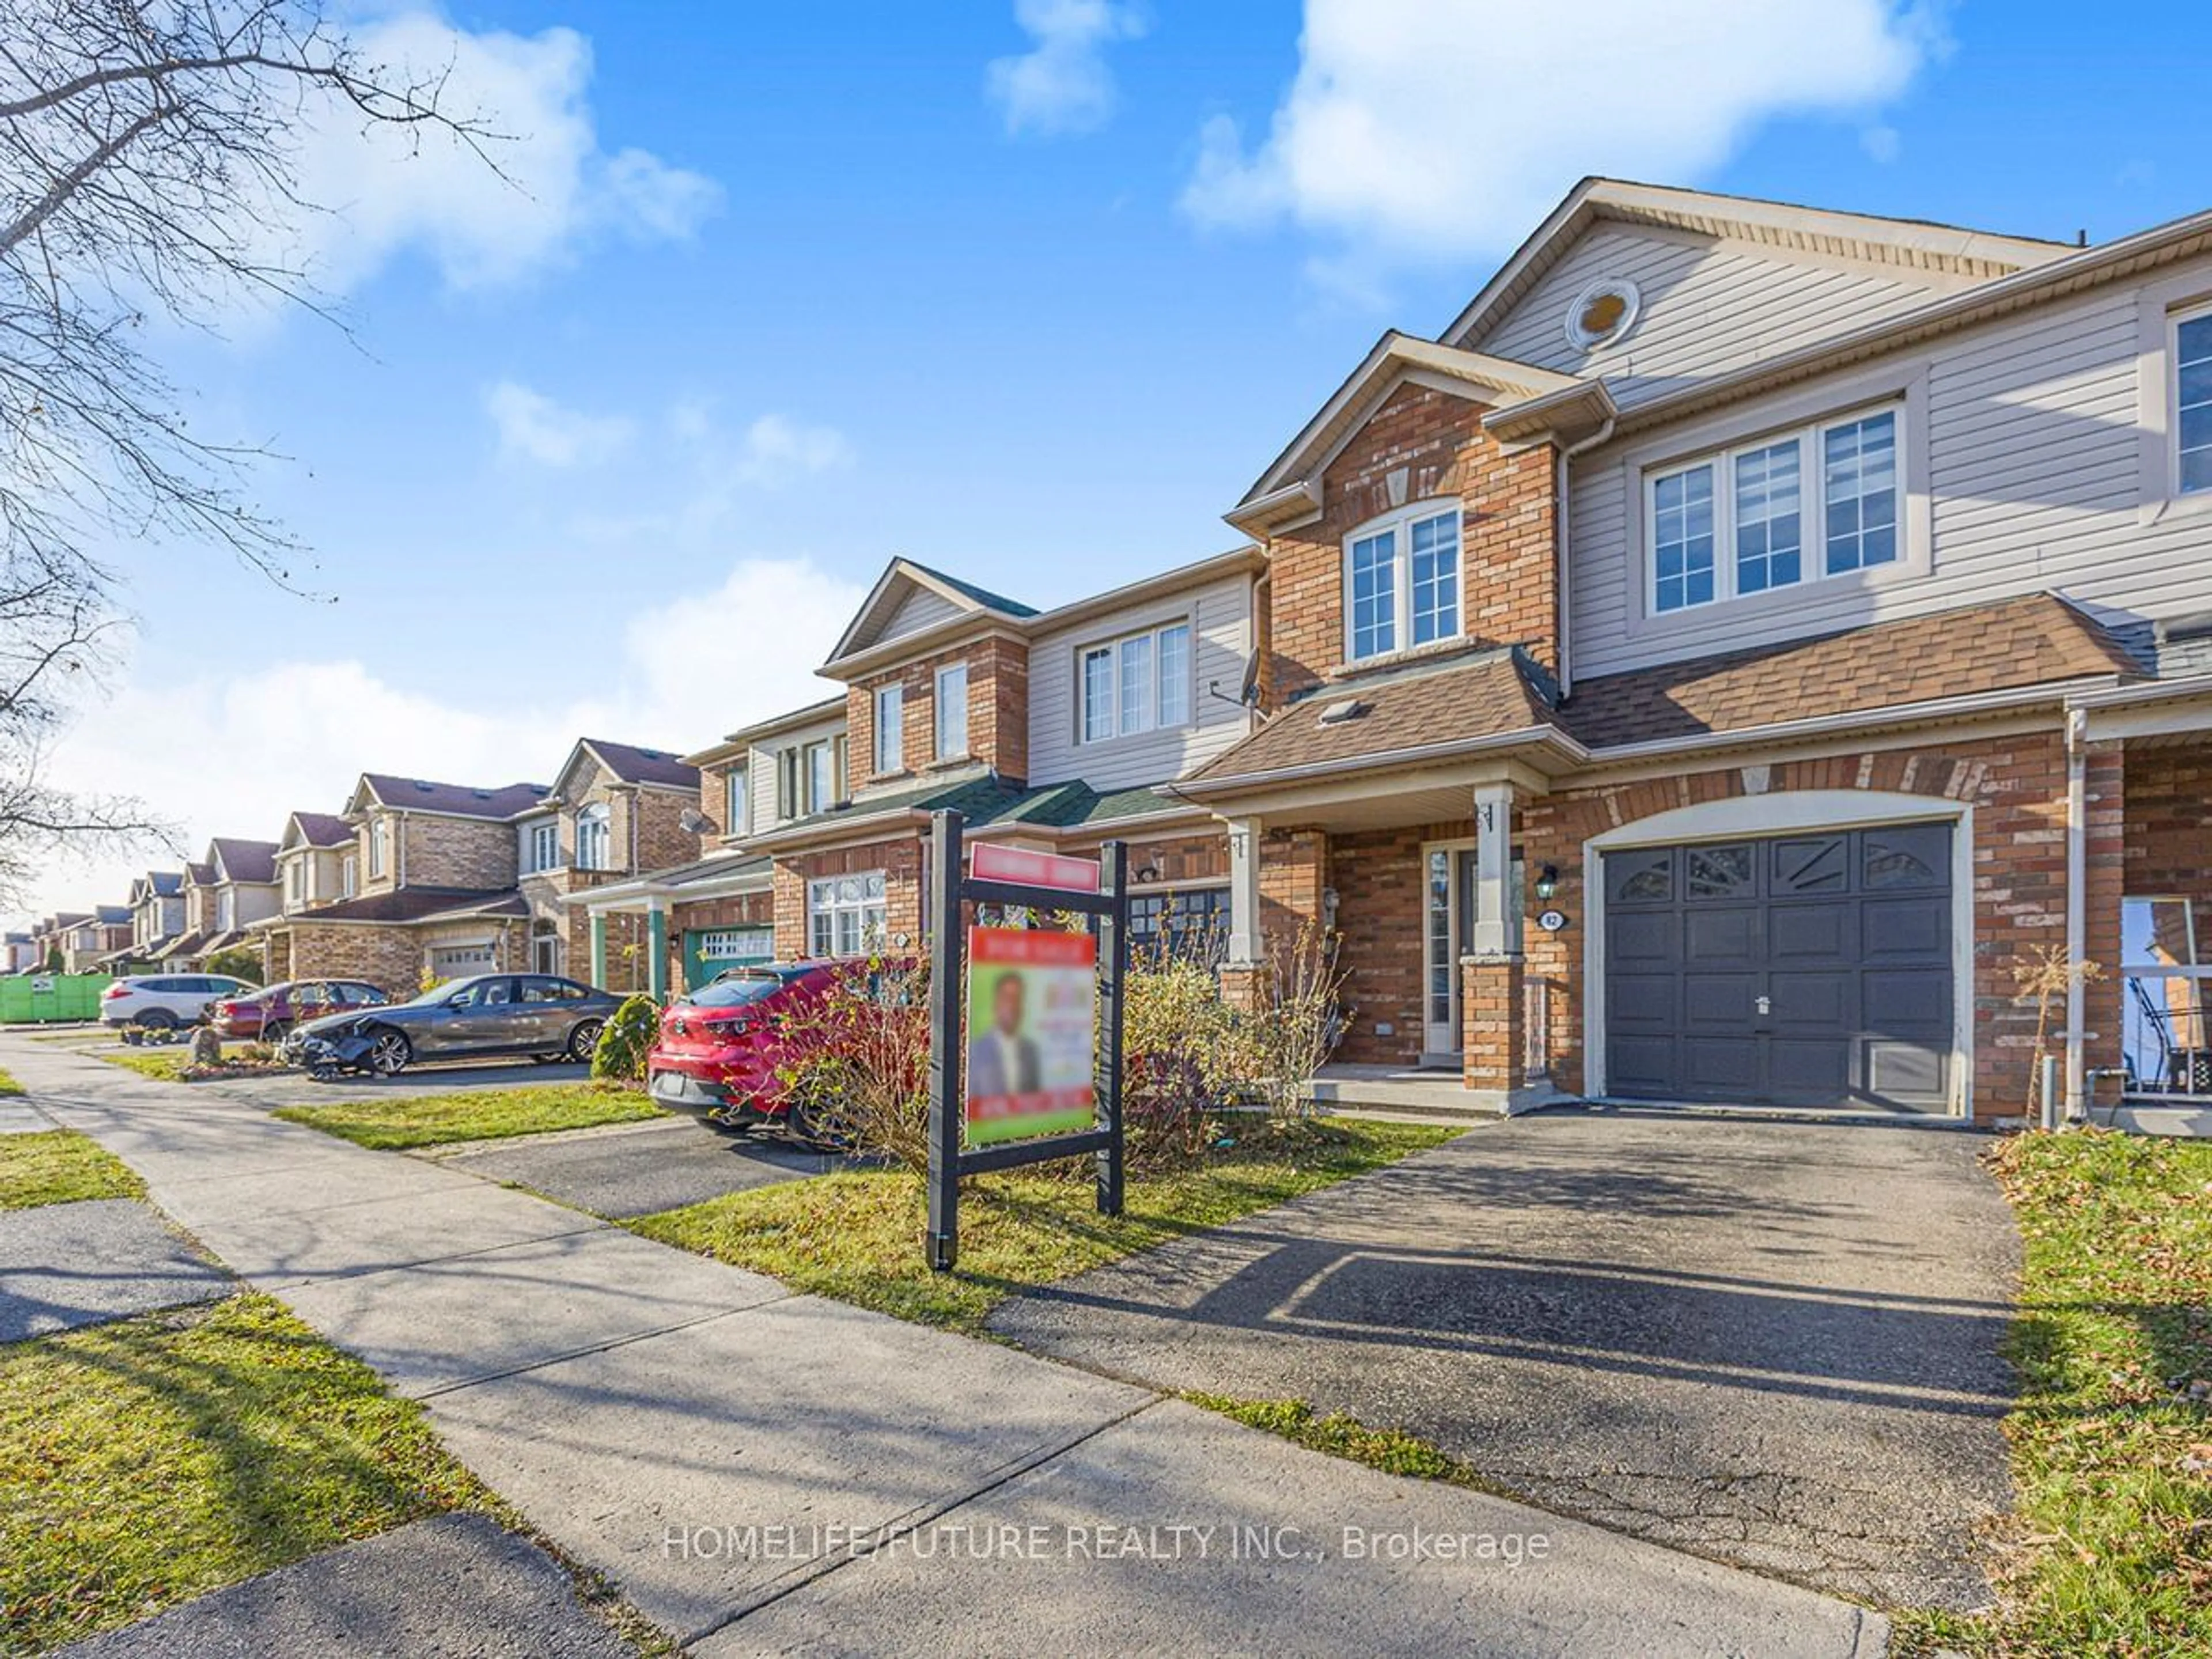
{"x":1291,"y":487}
{"x":157,"y":884}
{"x":315,"y":829}
{"x":900,"y":579}
{"x":113,"y":915}
{"x":199,"y":875}
{"x":458,"y":800}
{"x":253,"y":862}
{"x":628,"y":763}
{"x":1907,"y":245}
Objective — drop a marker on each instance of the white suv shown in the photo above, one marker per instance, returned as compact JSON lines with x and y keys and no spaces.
{"x":165,"y":1001}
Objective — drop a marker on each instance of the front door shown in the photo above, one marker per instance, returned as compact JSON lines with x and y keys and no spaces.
{"x":1450,"y":897}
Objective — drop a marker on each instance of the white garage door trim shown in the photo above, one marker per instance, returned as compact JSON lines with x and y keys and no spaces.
{"x":1780,"y":813}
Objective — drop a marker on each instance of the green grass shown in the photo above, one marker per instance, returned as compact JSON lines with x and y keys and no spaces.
{"x":59,"y":1166}
{"x":2110,"y":1551}
{"x":165,"y":1065}
{"x":398,"y":1121}
{"x":7,"y":1084}
{"x":145,"y":1462}
{"x":857,"y":1234}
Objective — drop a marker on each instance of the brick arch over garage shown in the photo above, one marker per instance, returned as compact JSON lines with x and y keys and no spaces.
{"x":2006,"y":793}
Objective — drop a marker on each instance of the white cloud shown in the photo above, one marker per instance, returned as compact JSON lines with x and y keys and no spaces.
{"x":231,"y":754}
{"x":1424,"y":130}
{"x":1062,"y":84}
{"x":1882,"y":144}
{"x":532,"y":426}
{"x":777,"y":450}
{"x":388,"y":189}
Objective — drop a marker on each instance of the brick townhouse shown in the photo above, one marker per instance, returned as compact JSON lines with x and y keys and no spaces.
{"x":1714,"y":666}
{"x":434,"y":880}
{"x":1049,"y":729}
{"x":225,"y":894}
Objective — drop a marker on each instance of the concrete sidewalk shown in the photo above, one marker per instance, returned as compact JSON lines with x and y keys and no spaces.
{"x":762,"y":1473}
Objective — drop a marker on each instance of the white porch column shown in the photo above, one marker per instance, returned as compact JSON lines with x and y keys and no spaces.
{"x":1493,"y":870}
{"x":1246,"y":947}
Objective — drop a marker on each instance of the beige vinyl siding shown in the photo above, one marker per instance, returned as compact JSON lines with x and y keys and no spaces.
{"x":761,"y":770}
{"x":922,"y":608}
{"x":2034,"y":471}
{"x":1708,"y":307}
{"x":1221,"y":637}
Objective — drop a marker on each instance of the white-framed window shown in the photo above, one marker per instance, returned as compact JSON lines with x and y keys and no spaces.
{"x":295,"y":880}
{"x":1797,"y":507}
{"x":890,"y":728}
{"x":820,"y":773}
{"x":380,"y":847}
{"x":1402,"y":581}
{"x":736,"y":945}
{"x":1138,"y":683}
{"x":594,"y":837}
{"x":542,"y":846}
{"x":844,"y":914}
{"x":226,"y":909}
{"x":2192,"y":415}
{"x":738,"y":802}
{"x":950,"y":702}
{"x":349,"y":875}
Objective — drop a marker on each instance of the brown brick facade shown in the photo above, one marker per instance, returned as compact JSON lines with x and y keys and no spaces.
{"x":998,"y":712}
{"x":902,"y":862}
{"x":1509,"y":585}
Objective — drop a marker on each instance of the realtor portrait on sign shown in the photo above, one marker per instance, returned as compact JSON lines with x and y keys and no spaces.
{"x":1030,"y":997}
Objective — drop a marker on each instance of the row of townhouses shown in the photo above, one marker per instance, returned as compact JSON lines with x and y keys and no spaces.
{"x":1713,"y":668}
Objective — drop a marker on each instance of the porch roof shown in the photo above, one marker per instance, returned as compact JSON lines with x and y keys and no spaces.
{"x":407,"y":904}
{"x":1413,"y":718}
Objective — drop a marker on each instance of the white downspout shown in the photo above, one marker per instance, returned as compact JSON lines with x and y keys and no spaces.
{"x":1566,"y":522}
{"x":2077,"y":871}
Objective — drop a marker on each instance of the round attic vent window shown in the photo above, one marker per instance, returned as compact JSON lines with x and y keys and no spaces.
{"x":1602,"y":314}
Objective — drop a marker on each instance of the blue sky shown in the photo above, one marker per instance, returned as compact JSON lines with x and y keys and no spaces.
{"x":799,"y":288}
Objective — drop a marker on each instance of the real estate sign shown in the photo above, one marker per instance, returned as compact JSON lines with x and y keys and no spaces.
{"x":1031,"y":996}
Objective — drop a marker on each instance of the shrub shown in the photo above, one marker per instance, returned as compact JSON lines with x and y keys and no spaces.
{"x":1297,"y":1024}
{"x":239,"y":962}
{"x":626,"y":1039}
{"x":854,"y":1063}
{"x":1179,"y":1044}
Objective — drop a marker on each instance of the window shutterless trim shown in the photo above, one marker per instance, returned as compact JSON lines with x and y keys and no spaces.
{"x":1399,"y":523}
{"x":1811,"y":439}
{"x":1111,"y":650}
{"x":940,"y":702}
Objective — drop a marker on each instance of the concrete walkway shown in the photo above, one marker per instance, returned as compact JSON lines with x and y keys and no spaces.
{"x":766,"y":1473}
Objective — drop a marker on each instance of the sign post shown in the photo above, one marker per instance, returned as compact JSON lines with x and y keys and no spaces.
{"x":1024,"y":1082}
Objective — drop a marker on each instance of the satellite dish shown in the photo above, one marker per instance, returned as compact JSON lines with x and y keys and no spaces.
{"x":1247,"y":690}
{"x":696,"y":823}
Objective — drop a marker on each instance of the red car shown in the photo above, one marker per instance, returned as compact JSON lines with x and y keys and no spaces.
{"x":717,"y":1049}
{"x":274,"y":1010}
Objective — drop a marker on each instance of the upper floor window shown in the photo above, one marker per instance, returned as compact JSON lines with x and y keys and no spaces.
{"x":951,"y":711}
{"x":594,"y":837}
{"x":737,"y":815}
{"x":822,"y":780}
{"x":349,"y":875}
{"x":380,"y":847}
{"x":2192,"y":358}
{"x":1140,"y":683}
{"x":542,"y":846}
{"x":890,"y":728}
{"x":1735,"y":524}
{"x":226,"y":909}
{"x":1402,"y":581}
{"x":295,"y":884}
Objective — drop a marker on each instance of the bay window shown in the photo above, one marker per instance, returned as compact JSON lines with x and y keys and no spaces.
{"x":1733,"y":524}
{"x":1140,"y":682}
{"x":1402,"y":581}
{"x":845,"y":914}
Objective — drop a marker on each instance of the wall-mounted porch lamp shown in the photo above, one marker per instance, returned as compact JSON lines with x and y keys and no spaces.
{"x":1547,"y":881}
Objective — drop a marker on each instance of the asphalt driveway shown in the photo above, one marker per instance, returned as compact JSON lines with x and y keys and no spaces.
{"x":1776,"y":1345}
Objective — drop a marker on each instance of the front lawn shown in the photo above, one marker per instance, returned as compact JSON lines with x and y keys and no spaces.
{"x":163,"y":1065}
{"x":59,"y":1166}
{"x":2110,"y":1549}
{"x":7,"y":1084}
{"x":398,"y":1121}
{"x":150,"y":1460}
{"x":857,"y":1234}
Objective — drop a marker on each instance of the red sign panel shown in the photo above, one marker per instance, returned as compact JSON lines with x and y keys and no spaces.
{"x":991,"y":862}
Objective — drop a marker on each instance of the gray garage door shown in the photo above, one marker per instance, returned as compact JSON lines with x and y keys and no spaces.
{"x":1805,"y":971}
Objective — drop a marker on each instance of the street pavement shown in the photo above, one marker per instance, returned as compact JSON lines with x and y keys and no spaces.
{"x":763,"y":1472}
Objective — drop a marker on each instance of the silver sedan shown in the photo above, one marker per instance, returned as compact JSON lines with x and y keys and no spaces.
{"x":482,"y":1017}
